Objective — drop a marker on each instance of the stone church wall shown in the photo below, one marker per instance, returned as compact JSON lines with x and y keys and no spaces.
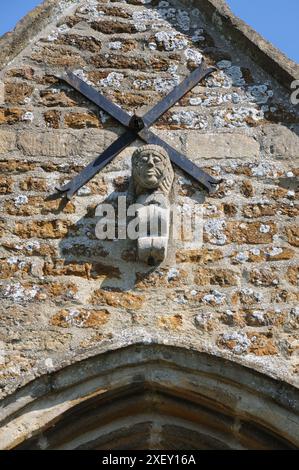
{"x":64,"y":293}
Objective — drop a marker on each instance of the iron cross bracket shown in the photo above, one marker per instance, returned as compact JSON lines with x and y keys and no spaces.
{"x":137,"y":126}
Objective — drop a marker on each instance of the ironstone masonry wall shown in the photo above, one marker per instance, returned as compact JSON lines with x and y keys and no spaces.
{"x":63,"y":292}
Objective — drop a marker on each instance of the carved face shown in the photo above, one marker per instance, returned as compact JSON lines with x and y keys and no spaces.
{"x":150,"y":169}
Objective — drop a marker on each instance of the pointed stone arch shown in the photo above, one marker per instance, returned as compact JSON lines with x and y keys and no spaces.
{"x":151,"y":397}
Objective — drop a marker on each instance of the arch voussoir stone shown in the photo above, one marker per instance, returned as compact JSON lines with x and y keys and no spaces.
{"x":151,"y":396}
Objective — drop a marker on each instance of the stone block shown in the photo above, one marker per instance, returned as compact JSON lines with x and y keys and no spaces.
{"x":7,"y":141}
{"x":208,"y":146}
{"x":280,"y":142}
{"x":49,"y":144}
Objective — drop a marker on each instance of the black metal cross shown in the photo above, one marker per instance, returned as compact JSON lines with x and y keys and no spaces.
{"x":137,"y":126}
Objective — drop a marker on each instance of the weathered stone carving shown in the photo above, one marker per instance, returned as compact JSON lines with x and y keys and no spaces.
{"x":152,"y":179}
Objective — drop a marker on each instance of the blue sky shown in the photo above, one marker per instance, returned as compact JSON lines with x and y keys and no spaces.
{"x":276,"y":20}
{"x":13,"y":10}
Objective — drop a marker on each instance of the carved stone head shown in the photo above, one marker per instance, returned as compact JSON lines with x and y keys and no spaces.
{"x":151,"y":170}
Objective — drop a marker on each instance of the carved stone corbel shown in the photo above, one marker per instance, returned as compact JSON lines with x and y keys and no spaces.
{"x":152,"y":180}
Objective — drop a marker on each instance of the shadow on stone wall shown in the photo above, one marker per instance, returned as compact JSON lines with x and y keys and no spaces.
{"x":113,"y":262}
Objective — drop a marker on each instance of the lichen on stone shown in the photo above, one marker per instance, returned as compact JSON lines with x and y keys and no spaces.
{"x":19,"y":294}
{"x":198,"y":36}
{"x":189,"y":119}
{"x":264,"y":169}
{"x":115,"y":45}
{"x":214,"y":228}
{"x":171,"y":40}
{"x":90,"y":8}
{"x":114,"y":79}
{"x":227,"y":76}
{"x":215,"y":297}
{"x":28,"y":116}
{"x":238,"y":342}
{"x":82,"y":75}
{"x":193,"y":56}
{"x":265,"y":228}
{"x":21,"y":200}
{"x":183,"y":20}
{"x":237,"y":117}
{"x":164,"y":85}
{"x":195,"y":101}
{"x":224,"y":64}
{"x":241,"y":257}
{"x":142,"y":18}
{"x":259,"y":93}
